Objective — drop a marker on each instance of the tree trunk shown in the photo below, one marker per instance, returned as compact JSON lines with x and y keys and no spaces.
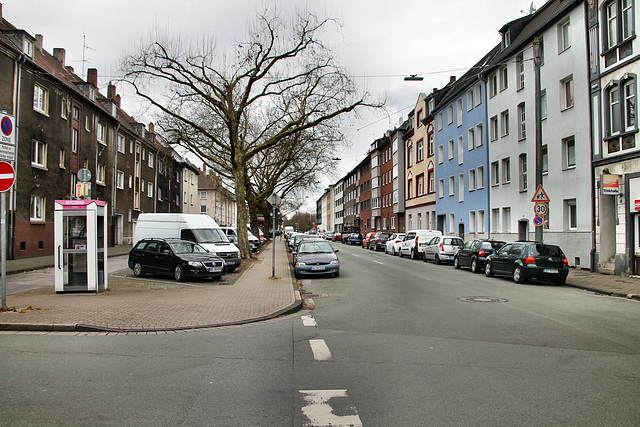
{"x":241,"y":222}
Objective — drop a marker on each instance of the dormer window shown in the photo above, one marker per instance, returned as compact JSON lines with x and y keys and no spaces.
{"x":506,"y":39}
{"x":27,"y":47}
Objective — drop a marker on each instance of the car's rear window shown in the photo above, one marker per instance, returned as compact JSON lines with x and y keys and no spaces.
{"x":492,"y":245}
{"x":453,"y":242}
{"x":546,"y":250}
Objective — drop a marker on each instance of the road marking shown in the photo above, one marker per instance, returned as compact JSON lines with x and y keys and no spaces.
{"x":377,"y":262}
{"x":308,"y":321}
{"x":320,"y":413}
{"x":320,"y":350}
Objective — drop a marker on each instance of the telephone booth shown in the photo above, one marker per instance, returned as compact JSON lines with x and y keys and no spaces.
{"x":80,"y":246}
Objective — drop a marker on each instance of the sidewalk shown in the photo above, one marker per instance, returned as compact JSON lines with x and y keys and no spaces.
{"x":157,"y":304}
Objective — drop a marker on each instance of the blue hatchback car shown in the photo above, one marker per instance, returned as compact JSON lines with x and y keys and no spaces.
{"x":355,"y":239}
{"x":316,"y":258}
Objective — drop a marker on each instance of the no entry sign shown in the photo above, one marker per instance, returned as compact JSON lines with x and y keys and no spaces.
{"x":7,"y":176}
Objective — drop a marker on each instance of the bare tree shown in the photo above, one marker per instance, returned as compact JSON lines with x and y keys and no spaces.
{"x":228,"y":109}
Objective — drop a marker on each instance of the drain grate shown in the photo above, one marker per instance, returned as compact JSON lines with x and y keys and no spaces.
{"x":482,"y":299}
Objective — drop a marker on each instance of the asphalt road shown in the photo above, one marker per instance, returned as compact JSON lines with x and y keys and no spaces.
{"x":391,"y":342}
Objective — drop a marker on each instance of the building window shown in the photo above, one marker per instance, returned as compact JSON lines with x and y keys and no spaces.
{"x":478,"y":135}
{"x":471,"y":139}
{"x":459,"y":112}
{"x":570,"y":214}
{"x":506,"y":220}
{"x":150,"y":158}
{"x":545,"y":160}
{"x":504,"y":78}
{"x":121,"y":142}
{"x":100,"y":133}
{"x":506,"y":170}
{"x":472,"y":221}
{"x":130,"y":181}
{"x":461,"y":188}
{"x":520,"y":70}
{"x":569,"y":152}
{"x":420,"y":185}
{"x":440,"y":119}
{"x":160,"y":194}
{"x":432,"y":141}
{"x":120,"y":180}
{"x":87,"y":123}
{"x":452,"y":183}
{"x":567,"y":92}
{"x":564,"y":41}
{"x":409,"y":156}
{"x":61,"y":159}
{"x":420,"y":151}
{"x":452,"y":223}
{"x":460,"y":150}
{"x":441,"y":188}
{"x":472,"y":180}
{"x":504,"y":122}
{"x":478,"y":94}
{"x":64,"y":108}
{"x":100,"y":169}
{"x":543,"y":104}
{"x":481,"y":221}
{"x":40,"y":99}
{"x":522,"y":126}
{"x":522,"y":165}
{"x":37,"y":208}
{"x":409,"y":188}
{"x":450,"y":114}
{"x":493,"y":85}
{"x":150,"y":189}
{"x":493,"y":128}
{"x":39,"y":157}
{"x":451,"y":149}
{"x":480,"y":178}
{"x":620,"y":113}
{"x":203,"y":195}
{"x":629,"y":107}
{"x":469,"y":99}
{"x":192,"y":200}
{"x":495,"y":173}
{"x":495,"y":220}
{"x":618,"y":23}
{"x":432,"y":179}
{"x":440,"y":154}
{"x":74,"y":140}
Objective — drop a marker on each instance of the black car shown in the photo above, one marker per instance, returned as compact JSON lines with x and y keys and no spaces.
{"x":529,"y":260}
{"x":174,"y":257}
{"x":475,"y":252}
{"x":379,"y":241}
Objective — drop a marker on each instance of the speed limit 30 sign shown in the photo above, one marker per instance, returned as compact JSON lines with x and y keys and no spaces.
{"x":540,"y":209}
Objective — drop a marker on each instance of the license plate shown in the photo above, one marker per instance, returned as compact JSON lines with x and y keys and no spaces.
{"x":320,"y":267}
{"x":550,"y":270}
{"x":212,"y":269}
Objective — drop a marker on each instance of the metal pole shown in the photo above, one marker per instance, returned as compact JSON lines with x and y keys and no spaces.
{"x":538,"y":118}
{"x":3,"y":225}
{"x":273,"y":242}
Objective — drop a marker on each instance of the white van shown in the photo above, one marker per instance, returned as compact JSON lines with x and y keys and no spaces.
{"x":194,"y":227}
{"x":415,"y":241}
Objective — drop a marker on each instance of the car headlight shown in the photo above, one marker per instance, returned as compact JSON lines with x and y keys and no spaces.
{"x":300,"y":264}
{"x":195,"y":264}
{"x":335,"y":262}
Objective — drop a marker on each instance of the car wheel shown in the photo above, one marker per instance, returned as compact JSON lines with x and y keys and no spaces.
{"x":178,"y":273}
{"x":336,"y":274}
{"x":424,"y":256}
{"x":517,"y":275}
{"x":295,"y":273}
{"x":393,"y":251}
{"x":560,"y":282}
{"x":231,"y":269}
{"x":414,"y":254}
{"x":474,"y":266}
{"x":488,"y":270}
{"x":437,"y":260}
{"x":137,"y":270}
{"x":456,"y":263}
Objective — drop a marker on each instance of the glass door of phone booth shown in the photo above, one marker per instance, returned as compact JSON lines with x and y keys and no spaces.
{"x":80,"y":245}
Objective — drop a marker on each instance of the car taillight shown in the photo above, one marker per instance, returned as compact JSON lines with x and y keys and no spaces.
{"x":481,"y":252}
{"x":416,"y":240}
{"x":379,"y":241}
{"x":441,"y":247}
{"x":565,"y":262}
{"x":530,"y":260}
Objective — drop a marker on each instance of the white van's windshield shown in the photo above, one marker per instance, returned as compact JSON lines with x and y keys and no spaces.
{"x":210,"y":235}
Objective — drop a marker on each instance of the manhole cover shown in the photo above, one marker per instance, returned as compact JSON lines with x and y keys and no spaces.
{"x":482,"y":299}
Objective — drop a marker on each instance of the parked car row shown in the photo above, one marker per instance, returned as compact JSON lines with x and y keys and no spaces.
{"x":313,"y":255}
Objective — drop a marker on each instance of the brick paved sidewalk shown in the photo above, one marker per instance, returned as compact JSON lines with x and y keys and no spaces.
{"x":156,"y":305}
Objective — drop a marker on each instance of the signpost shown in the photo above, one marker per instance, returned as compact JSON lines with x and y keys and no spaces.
{"x":275,"y":200}
{"x":540,"y":209}
{"x":7,"y":179}
{"x":7,"y":138}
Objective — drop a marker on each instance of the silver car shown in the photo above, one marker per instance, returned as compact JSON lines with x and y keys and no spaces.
{"x":442,"y":249}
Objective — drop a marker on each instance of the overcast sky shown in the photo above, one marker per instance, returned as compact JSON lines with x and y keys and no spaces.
{"x":381,"y":41}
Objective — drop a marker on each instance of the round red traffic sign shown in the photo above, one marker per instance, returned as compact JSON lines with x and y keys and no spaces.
{"x":7,"y":176}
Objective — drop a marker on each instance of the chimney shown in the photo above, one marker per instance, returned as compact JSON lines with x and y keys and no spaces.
{"x":152,"y":127}
{"x":118,"y":100}
{"x":69,"y":68}
{"x":60,"y":54}
{"x":39,"y":42}
{"x":111,"y":92}
{"x":92,"y":76}
{"x":435,"y":89}
{"x":452,"y":79}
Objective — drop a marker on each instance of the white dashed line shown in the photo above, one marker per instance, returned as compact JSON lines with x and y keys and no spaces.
{"x":320,"y":350}
{"x":320,"y":413}
{"x":308,"y":321}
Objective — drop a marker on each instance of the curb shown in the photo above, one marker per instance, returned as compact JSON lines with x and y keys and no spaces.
{"x":609,"y":293}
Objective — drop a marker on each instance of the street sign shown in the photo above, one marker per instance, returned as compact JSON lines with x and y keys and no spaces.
{"x":538,"y":221}
{"x":7,"y":176}
{"x":7,"y":138}
{"x":540,"y":208}
{"x":540,"y":195}
{"x":84,"y":175}
{"x":274,"y":199}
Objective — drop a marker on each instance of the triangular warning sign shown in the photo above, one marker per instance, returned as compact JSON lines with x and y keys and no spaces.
{"x":540,"y":195}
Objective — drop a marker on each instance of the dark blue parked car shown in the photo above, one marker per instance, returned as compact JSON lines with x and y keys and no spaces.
{"x":355,"y":239}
